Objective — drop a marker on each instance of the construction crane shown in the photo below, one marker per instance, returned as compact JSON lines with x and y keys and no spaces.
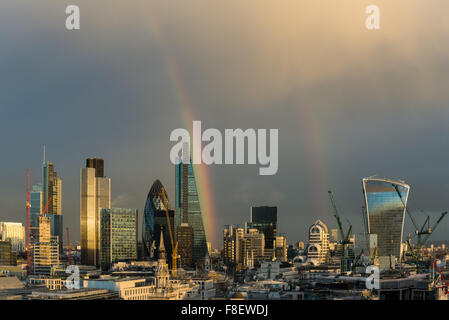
{"x":345,"y":241}
{"x":69,"y":248}
{"x":422,"y":233}
{"x":173,"y":245}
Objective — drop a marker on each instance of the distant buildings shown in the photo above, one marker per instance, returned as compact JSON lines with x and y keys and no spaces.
{"x":264,"y":219}
{"x":118,"y":236}
{"x":188,"y":216}
{"x":318,"y":248}
{"x":95,"y":194}
{"x":7,"y":256}
{"x":14,"y":232}
{"x":385,"y":203}
{"x":232,"y":244}
{"x":281,"y":248}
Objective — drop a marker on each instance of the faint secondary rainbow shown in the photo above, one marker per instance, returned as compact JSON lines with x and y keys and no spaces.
{"x":202,"y":177}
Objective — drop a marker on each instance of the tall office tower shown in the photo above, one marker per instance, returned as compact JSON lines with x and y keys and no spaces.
{"x":52,"y":194}
{"x":385,"y":203}
{"x":232,"y":244}
{"x":264,"y":219}
{"x":36,"y":208}
{"x":95,"y":193}
{"x":118,"y":236}
{"x":155,"y":220}
{"x":13,"y":232}
{"x":44,"y":251}
{"x":281,"y":248}
{"x":318,"y":248}
{"x":188,"y":210}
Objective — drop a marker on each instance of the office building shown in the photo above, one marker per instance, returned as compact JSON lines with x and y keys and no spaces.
{"x":232,"y":244}
{"x":188,"y":211}
{"x":52,"y":200}
{"x":264,"y":219}
{"x":385,"y":203}
{"x":44,"y":251}
{"x":36,"y":208}
{"x":184,"y":236}
{"x":155,"y":220}
{"x":253,"y":247}
{"x":95,"y":192}
{"x":318,"y":248}
{"x":7,"y":255}
{"x":118,"y":236}
{"x":14,"y":232}
{"x":281,"y":248}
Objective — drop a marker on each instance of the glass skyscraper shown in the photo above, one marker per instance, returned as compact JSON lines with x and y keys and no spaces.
{"x":385,"y":203}
{"x":154,"y":217}
{"x":264,"y":219}
{"x":188,"y":209}
{"x":118,"y":236}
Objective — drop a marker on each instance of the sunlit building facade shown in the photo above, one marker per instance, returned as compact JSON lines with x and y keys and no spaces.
{"x":385,"y":203}
{"x":318,"y":248}
{"x":95,"y":194}
{"x":13,"y":232}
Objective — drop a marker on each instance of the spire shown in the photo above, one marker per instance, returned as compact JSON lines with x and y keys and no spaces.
{"x":162,"y":247}
{"x":43,"y":156}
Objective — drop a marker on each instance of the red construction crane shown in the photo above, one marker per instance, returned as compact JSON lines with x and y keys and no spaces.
{"x":69,"y":248}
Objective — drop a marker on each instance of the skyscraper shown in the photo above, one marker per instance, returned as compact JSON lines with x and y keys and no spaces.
{"x":36,"y":208}
{"x":264,"y":219}
{"x":44,"y":251}
{"x":52,"y":194}
{"x":188,"y":211}
{"x":95,"y":193}
{"x":155,"y":220}
{"x":385,"y":203}
{"x":118,"y":236}
{"x":318,"y":248}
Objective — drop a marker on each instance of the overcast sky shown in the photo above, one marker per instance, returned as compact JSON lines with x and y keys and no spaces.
{"x":348,"y":102}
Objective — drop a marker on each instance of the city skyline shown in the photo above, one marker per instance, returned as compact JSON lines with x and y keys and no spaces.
{"x":348,"y":103}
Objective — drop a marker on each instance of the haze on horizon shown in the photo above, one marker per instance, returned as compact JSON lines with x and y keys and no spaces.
{"x":348,"y":102}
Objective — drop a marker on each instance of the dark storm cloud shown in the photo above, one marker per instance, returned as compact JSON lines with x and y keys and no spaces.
{"x":348,"y":102}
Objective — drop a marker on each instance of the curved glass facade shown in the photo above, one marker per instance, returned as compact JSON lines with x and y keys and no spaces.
{"x":385,"y":202}
{"x":153,"y":204}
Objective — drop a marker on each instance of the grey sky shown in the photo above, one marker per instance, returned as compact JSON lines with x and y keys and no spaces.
{"x":348,"y":102}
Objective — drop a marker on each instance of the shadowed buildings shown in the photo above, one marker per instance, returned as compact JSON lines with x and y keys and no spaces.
{"x":118,"y":236}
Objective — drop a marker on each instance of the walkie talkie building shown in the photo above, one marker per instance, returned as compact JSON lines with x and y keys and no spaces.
{"x":385,"y":203}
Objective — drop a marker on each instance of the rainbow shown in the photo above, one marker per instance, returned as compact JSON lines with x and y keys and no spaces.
{"x":202,"y":177}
